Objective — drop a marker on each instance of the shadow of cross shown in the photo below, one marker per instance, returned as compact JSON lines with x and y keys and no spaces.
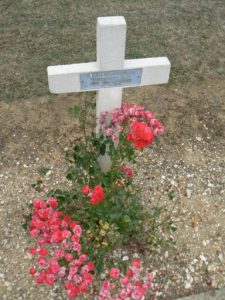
{"x":110,"y":73}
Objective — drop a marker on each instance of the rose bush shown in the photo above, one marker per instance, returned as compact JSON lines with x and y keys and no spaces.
{"x":58,"y":249}
{"x":128,"y":286}
{"x":76,"y":230}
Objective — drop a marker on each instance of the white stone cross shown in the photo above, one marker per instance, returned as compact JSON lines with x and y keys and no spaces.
{"x":111,"y":72}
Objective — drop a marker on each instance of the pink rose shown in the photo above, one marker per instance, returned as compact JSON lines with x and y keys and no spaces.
{"x":114,"y":273}
{"x":69,"y":256}
{"x":136,"y":263}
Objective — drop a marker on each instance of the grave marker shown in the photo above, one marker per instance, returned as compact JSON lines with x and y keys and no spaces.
{"x":110,"y":73}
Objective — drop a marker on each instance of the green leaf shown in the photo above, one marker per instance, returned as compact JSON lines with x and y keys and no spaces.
{"x":173,"y":228}
{"x":27,"y":221}
{"x":171,"y":195}
{"x":99,"y":266}
{"x":75,"y":111}
{"x":70,"y":176}
{"x":102,"y":149}
{"x":127,"y":219}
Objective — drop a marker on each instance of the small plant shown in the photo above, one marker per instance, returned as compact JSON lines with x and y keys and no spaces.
{"x":106,"y":205}
{"x":58,"y":249}
{"x":129,"y":286}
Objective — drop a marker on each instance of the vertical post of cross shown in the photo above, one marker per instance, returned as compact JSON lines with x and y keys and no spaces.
{"x":111,"y":43}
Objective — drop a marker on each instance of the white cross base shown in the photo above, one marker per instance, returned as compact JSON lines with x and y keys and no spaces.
{"x":111,"y":73}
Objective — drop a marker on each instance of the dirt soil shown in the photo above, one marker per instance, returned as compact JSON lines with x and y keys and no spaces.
{"x":190,"y":157}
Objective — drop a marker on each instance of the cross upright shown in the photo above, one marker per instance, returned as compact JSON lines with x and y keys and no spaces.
{"x":111,"y":72}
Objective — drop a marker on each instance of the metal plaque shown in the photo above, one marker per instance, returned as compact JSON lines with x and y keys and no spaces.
{"x":108,"y":79}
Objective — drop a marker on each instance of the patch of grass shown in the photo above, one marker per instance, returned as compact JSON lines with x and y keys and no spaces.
{"x":35,"y":34}
{"x":43,"y":171}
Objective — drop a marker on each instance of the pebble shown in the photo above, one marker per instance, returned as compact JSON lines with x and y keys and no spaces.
{"x":198,"y":138}
{"x":220,"y":256}
{"x":187,"y":285}
{"x":125,"y":258}
{"x":206,"y":242}
{"x":189,"y":278}
{"x":214,"y":283}
{"x":28,"y":256}
{"x":190,"y":175}
{"x":194,"y":261}
{"x":211,"y":268}
{"x":208,"y":191}
{"x":190,"y":185}
{"x":49,"y":173}
{"x":7,"y":283}
{"x":191,"y":268}
{"x":189,"y":193}
{"x":221,"y":269}
{"x":203,"y":258}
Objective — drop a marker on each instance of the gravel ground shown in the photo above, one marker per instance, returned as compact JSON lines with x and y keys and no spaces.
{"x":189,"y":159}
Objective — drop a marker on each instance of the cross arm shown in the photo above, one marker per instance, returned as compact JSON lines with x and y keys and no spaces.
{"x":66,"y":78}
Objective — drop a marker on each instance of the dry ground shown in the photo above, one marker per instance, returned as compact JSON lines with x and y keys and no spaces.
{"x":190,"y":157}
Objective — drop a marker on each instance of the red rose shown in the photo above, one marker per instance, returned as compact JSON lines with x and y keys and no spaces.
{"x":73,"y":224}
{"x":32,"y":251}
{"x":127,"y":170}
{"x":32,"y":271}
{"x":141,"y":135}
{"x":97,"y":195}
{"x":130,"y":273}
{"x":85,"y":189}
{"x":43,"y":252}
{"x":88,"y":278}
{"x":57,"y":237}
{"x":39,"y":203}
{"x":54,"y":266}
{"x":52,"y":202}
{"x":91,"y":266}
{"x":67,"y":219}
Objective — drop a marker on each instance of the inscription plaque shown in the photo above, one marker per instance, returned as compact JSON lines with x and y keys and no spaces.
{"x":108,"y":79}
